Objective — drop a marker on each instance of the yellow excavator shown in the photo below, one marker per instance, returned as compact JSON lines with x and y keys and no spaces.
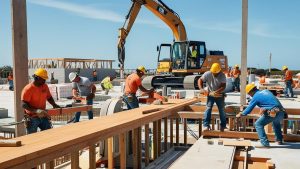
{"x":180,"y":64}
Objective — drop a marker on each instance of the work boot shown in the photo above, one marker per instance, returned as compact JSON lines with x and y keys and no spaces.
{"x":260,"y":145}
{"x":206,"y":128}
{"x":222,"y":129}
{"x":278,"y":142}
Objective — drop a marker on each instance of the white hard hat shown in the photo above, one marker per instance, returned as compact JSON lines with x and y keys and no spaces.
{"x":72,"y":76}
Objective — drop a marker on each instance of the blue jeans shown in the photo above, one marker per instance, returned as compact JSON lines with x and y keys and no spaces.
{"x":35,"y":122}
{"x":288,"y":86}
{"x":131,"y":101}
{"x":236,"y":84}
{"x":266,"y":119}
{"x":209,"y":105}
{"x":90,"y":113}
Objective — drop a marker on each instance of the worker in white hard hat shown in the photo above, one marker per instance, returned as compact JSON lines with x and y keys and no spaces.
{"x":34,"y":97}
{"x":132,"y":84}
{"x":271,"y":110}
{"x":216,"y":83}
{"x":82,"y":87}
{"x":288,"y":80}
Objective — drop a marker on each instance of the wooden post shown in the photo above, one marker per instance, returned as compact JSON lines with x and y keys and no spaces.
{"x":185,"y":131}
{"x":75,"y":160}
{"x":146,"y":144}
{"x":135,"y":148}
{"x":285,"y":126}
{"x":171,"y":132}
{"x":122,"y":150}
{"x":244,"y":51}
{"x":92,"y":156}
{"x":50,"y":165}
{"x":20,"y":57}
{"x":213,"y":123}
{"x":139,"y":147}
{"x":200,"y":127}
{"x":154,"y":140}
{"x":231,"y":123}
{"x":177,"y":131}
{"x":110,"y":153}
{"x":158,"y":137}
{"x":165,"y":134}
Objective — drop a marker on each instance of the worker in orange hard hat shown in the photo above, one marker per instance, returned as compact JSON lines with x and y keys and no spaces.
{"x":271,"y":110}
{"x":132,"y":84}
{"x":34,"y":97}
{"x":216,"y":83}
{"x":235,"y":74}
{"x":288,"y":80}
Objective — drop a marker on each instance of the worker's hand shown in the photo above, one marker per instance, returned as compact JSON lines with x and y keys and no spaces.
{"x":261,"y":111}
{"x":242,"y":107}
{"x":41,"y":113}
{"x":215,"y":94}
{"x":203,"y":91}
{"x":238,"y":115}
{"x":56,"y":106}
{"x":151,"y":90}
{"x":90,"y":96}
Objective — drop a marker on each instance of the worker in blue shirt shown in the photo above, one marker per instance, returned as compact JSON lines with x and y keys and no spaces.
{"x":271,"y":110}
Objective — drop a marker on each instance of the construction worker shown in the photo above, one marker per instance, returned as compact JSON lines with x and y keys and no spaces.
{"x":271,"y":110}
{"x":288,"y":80}
{"x":10,"y":80}
{"x":132,"y":84}
{"x":106,"y":84}
{"x":82,"y":88}
{"x":262,"y":79}
{"x":235,"y":74}
{"x":216,"y":83}
{"x":298,"y":76}
{"x":34,"y":97}
{"x":94,"y":75}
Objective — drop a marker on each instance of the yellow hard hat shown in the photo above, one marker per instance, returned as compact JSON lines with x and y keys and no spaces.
{"x":142,"y":69}
{"x":284,"y":67}
{"x":215,"y":68}
{"x":235,"y":66}
{"x":42,"y":73}
{"x":249,"y":87}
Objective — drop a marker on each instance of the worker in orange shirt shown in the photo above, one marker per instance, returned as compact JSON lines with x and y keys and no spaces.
{"x":288,"y":80}
{"x":132,"y":84}
{"x":10,"y":79}
{"x":262,"y":79}
{"x":34,"y":97}
{"x":235,"y":74}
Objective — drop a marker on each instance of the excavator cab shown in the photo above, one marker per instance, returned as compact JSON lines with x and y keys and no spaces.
{"x":164,"y":59}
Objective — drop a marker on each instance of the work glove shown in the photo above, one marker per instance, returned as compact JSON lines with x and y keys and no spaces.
{"x":41,"y":113}
{"x":90,"y":96}
{"x":56,"y":106}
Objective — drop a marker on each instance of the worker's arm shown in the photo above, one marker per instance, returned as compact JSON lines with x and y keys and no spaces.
{"x":27,"y":106}
{"x":52,"y":102}
{"x":75,"y":92}
{"x":222,"y":88}
{"x":200,"y":83}
{"x":93,"y":91}
{"x":251,"y":106}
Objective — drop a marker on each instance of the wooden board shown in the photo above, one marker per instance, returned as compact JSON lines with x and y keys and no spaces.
{"x":243,"y":143}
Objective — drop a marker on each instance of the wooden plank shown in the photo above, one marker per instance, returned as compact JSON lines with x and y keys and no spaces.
{"x":10,"y":143}
{"x":158,"y":137}
{"x":92,"y":156}
{"x":171,"y":132}
{"x":50,"y":165}
{"x":110,"y":155}
{"x":177,"y":132}
{"x":122,"y":150}
{"x":155,"y":142}
{"x":20,"y":57}
{"x":147,"y":157}
{"x":165,"y":134}
{"x":75,"y":160}
{"x":139,"y":147}
{"x":135,"y":148}
{"x":243,"y":143}
{"x":185,"y":132}
{"x":65,"y":142}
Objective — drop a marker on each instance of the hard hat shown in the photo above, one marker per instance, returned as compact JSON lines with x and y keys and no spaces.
{"x":72,"y":76}
{"x":249,"y":87}
{"x":235,"y":66}
{"x":142,"y":69}
{"x":284,"y":67}
{"x":42,"y":73}
{"x":215,"y":68}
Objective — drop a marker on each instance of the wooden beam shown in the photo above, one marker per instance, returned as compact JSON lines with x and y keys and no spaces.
{"x":155,"y":142}
{"x":177,"y":132}
{"x":50,"y":165}
{"x":158,"y":137}
{"x":75,"y":160}
{"x":110,"y":155}
{"x":165,"y":134}
{"x":122,"y":150}
{"x":20,"y":57}
{"x":171,"y":132}
{"x":185,"y":132}
{"x":92,"y":156}
{"x":147,"y":157}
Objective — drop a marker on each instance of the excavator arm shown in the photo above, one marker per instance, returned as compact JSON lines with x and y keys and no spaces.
{"x":158,"y":8}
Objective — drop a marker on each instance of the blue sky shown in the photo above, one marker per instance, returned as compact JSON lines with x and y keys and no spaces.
{"x":89,"y":29}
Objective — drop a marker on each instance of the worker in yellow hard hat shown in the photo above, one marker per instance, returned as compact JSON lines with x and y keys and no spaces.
{"x":216,"y":83}
{"x":288,"y":80}
{"x":271,"y":110}
{"x":235,"y":74}
{"x":132,"y":84}
{"x":34,"y":97}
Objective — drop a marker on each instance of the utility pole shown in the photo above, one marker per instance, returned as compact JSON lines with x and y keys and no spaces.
{"x":270,"y":62}
{"x":244,"y":51}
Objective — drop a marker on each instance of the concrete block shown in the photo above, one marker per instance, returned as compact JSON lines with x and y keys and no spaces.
{"x":3,"y":113}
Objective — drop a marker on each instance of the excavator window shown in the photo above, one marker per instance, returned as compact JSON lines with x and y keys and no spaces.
{"x":179,"y":55}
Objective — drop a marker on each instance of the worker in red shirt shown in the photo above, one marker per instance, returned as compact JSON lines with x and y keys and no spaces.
{"x":235,"y":74}
{"x":288,"y":80}
{"x":10,"y":79}
{"x":132,"y":84}
{"x":34,"y":97}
